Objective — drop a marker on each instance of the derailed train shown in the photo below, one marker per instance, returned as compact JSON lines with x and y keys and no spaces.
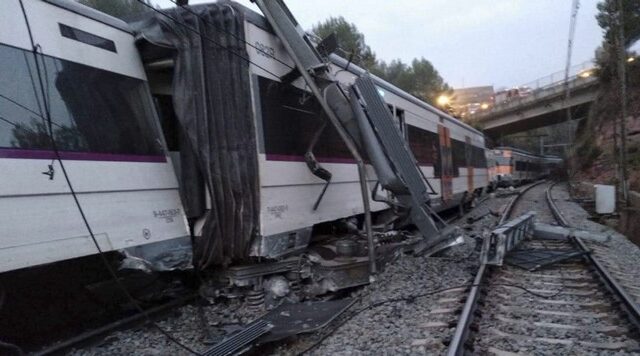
{"x":190,"y":126}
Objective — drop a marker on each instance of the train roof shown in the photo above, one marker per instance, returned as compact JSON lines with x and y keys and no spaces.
{"x":341,"y":62}
{"x":86,"y":11}
{"x":259,"y":20}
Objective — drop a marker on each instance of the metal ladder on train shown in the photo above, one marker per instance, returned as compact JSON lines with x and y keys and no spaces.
{"x":364,"y":123}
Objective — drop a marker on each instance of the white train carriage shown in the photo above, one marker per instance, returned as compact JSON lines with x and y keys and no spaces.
{"x":237,"y":132}
{"x":105,"y":128}
{"x":263,"y":126}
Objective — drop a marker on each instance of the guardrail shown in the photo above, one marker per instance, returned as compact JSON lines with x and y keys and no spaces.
{"x":579,"y":75}
{"x":505,"y":238}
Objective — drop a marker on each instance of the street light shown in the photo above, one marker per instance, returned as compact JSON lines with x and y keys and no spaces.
{"x":630,"y":59}
{"x":443,"y":100}
{"x":585,"y":74}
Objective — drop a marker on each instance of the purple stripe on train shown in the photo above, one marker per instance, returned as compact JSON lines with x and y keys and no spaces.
{"x":296,"y":158}
{"x":78,"y":156}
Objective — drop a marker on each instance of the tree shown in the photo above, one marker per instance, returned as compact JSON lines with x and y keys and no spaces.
{"x":349,"y":39}
{"x":118,"y":8}
{"x":428,"y":82}
{"x":608,"y":19}
{"x":398,"y":74}
{"x":419,"y":78}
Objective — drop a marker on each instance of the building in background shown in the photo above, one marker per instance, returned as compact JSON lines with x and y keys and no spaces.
{"x":466,"y":102}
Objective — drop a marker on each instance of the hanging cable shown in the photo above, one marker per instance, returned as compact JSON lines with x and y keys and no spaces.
{"x":47,"y":116}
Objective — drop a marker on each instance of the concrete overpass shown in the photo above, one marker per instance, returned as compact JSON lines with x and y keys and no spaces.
{"x":545,"y":105}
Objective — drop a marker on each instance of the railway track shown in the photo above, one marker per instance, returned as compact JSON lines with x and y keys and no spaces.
{"x":572,"y":307}
{"x":443,"y":314}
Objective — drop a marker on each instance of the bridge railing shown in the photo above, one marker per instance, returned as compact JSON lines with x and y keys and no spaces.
{"x":545,"y":86}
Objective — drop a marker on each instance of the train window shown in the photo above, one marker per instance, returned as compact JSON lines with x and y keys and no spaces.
{"x":424,"y":145}
{"x":478,"y":158}
{"x":87,"y":38}
{"x":459,"y":157}
{"x":92,"y":110}
{"x":20,"y":124}
{"x":503,"y":161}
{"x":290,"y":119}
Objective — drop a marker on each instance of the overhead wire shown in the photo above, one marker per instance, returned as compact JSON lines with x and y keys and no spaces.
{"x":47,"y":116}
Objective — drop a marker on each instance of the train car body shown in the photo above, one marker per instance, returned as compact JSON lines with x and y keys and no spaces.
{"x":225,"y":162}
{"x":105,"y":128}
{"x":512,"y":166}
{"x":282,"y":122}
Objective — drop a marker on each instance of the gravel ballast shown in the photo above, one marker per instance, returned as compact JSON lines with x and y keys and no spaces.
{"x":412,"y":326}
{"x":395,"y":328}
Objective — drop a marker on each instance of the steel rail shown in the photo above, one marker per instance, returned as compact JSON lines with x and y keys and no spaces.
{"x":457,"y":345}
{"x":631,"y":307}
{"x":512,"y":203}
{"x":458,"y":342}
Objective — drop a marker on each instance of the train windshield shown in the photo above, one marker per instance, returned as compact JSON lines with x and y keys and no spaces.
{"x":503,"y":161}
{"x":92,"y":110}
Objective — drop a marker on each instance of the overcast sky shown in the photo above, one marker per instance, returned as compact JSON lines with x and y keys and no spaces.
{"x":470,"y":42}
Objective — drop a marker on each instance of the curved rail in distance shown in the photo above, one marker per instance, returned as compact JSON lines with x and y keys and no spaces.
{"x":457,"y":345}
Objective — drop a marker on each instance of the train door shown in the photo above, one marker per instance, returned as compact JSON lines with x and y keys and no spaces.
{"x":468,"y":153}
{"x":446,"y":170}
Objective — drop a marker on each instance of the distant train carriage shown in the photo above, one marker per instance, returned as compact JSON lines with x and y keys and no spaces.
{"x":510,"y":166}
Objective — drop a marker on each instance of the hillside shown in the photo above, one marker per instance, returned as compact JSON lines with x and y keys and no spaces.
{"x":593,"y":156}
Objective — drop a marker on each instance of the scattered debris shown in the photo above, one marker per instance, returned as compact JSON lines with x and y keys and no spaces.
{"x":533,"y":259}
{"x":240,"y":340}
{"x":555,"y":232}
{"x":293,"y":319}
{"x":505,"y":238}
